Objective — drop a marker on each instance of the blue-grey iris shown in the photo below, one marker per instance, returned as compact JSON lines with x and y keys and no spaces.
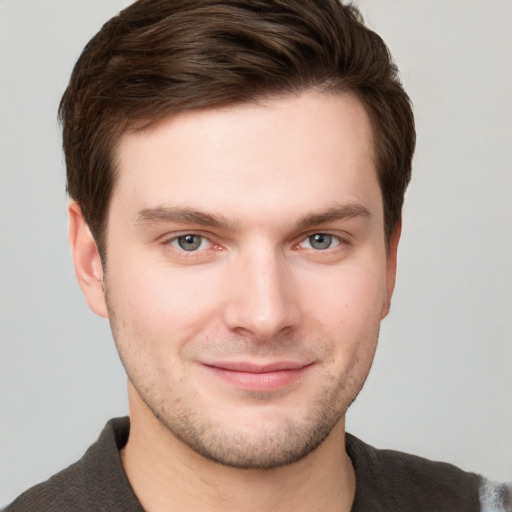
{"x":320,"y":241}
{"x":189,"y":242}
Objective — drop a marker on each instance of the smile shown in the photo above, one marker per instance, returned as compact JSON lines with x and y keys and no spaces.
{"x":255,"y":377}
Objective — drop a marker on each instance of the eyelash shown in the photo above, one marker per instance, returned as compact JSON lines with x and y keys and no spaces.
{"x":175,"y":242}
{"x":202,"y":240}
{"x":331,"y":237}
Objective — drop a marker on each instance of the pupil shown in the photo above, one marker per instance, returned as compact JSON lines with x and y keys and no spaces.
{"x":320,"y":241}
{"x":189,"y":242}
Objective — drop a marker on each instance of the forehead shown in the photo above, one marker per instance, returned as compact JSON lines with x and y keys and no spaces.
{"x":288,"y":151}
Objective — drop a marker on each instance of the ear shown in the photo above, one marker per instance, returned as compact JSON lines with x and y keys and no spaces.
{"x":391,"y":267}
{"x":86,"y":260}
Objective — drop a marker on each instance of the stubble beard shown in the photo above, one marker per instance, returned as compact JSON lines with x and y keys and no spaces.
{"x":268,"y":445}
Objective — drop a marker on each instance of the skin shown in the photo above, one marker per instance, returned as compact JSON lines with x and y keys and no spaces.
{"x":243,"y":353}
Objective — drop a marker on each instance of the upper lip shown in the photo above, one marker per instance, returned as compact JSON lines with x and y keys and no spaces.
{"x":250,"y":367}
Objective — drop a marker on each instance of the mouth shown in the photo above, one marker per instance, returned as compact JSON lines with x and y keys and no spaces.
{"x":259,"y":377}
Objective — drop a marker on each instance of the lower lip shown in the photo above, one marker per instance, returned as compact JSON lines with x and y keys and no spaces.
{"x":266,"y":381}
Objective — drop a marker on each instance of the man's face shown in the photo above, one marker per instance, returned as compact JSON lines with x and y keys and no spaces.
{"x":247,"y":273}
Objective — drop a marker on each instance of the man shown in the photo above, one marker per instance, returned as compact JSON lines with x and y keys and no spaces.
{"x":236,"y":173}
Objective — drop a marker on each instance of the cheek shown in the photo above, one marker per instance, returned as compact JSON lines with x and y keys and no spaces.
{"x":162,"y":300}
{"x":348,"y":297}
{"x":345,"y":308}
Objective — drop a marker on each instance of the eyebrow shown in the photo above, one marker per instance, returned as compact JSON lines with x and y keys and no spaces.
{"x":182,"y":215}
{"x":192,"y":216}
{"x":343,"y":212}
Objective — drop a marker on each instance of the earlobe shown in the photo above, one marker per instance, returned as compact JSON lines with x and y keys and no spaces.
{"x":391,"y":268}
{"x":86,"y":260}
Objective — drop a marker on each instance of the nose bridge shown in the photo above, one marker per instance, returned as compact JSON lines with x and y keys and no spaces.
{"x":261,"y":298}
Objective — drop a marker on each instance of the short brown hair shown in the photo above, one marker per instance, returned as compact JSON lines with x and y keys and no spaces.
{"x":159,"y":57}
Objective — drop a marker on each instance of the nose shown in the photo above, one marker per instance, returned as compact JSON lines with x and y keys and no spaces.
{"x":261,"y":298}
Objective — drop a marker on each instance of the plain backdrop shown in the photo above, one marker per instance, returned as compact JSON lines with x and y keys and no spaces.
{"x":442,"y":381}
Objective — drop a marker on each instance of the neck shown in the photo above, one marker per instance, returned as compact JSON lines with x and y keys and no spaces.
{"x":167,"y":475}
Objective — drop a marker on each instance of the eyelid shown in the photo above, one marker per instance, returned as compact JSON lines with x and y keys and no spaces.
{"x":343,"y":237}
{"x":169,"y":238}
{"x":202,"y":241}
{"x":336,"y":238}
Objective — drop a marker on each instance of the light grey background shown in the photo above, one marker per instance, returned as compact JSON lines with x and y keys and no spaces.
{"x":441,"y":384}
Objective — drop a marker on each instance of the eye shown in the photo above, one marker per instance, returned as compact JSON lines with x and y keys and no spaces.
{"x":320,"y":241}
{"x":191,"y":242}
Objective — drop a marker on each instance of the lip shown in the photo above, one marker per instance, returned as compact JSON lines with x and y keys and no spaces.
{"x":259,"y":377}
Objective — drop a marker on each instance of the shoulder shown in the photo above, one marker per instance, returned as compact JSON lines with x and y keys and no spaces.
{"x":392,"y":480}
{"x":64,"y":491}
{"x":96,"y":482}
